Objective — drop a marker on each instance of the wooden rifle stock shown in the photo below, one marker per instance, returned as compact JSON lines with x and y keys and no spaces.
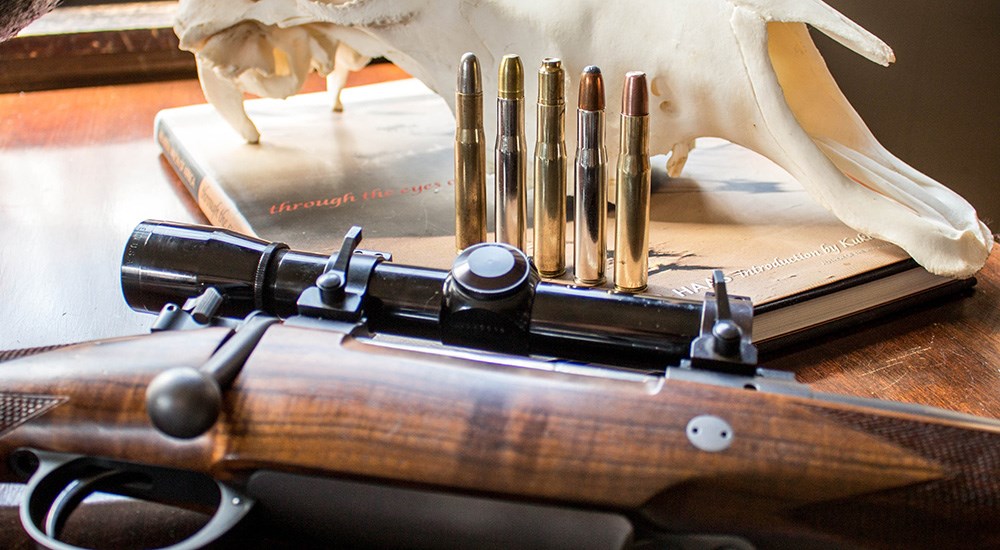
{"x":322,"y":403}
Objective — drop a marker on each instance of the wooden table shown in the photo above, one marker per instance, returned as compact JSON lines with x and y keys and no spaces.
{"x":79,"y":169}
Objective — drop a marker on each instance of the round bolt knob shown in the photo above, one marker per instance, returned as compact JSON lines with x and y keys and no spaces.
{"x":183,"y":402}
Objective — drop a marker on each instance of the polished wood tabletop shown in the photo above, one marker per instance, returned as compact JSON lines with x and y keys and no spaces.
{"x":79,"y":169}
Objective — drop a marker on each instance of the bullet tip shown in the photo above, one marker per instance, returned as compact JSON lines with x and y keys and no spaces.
{"x":635,"y":96}
{"x":511,"y":81}
{"x":470,"y":80}
{"x":591,"y":89}
{"x":551,"y":82}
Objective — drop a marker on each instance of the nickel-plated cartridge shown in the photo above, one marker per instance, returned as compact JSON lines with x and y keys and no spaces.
{"x":590,"y":246}
{"x":511,"y":156}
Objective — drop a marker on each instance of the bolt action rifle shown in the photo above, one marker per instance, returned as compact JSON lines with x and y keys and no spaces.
{"x":554,"y":416}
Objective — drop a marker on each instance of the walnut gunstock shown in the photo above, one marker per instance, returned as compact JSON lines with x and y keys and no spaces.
{"x":324,"y":404}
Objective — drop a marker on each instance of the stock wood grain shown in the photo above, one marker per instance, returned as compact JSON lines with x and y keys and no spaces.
{"x":320,"y":403}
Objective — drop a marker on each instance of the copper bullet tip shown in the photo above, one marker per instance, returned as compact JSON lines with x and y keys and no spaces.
{"x":635,"y":96}
{"x":470,"y":81}
{"x":511,"y":85}
{"x":591,"y":89}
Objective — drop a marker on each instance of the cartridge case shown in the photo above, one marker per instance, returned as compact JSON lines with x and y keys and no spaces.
{"x":511,"y":156}
{"x":549,"y":230}
{"x":470,"y":156}
{"x":590,"y":180}
{"x":632,"y":205}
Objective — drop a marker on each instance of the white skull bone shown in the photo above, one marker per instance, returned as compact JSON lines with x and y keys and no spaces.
{"x":743,"y":70}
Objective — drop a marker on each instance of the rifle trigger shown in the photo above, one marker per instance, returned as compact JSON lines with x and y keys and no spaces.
{"x":74,"y":493}
{"x":62,"y":481}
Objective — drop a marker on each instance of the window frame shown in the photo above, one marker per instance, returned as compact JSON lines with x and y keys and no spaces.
{"x":100,"y":44}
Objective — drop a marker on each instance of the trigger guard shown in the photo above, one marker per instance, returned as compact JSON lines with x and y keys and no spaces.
{"x":54,"y":475}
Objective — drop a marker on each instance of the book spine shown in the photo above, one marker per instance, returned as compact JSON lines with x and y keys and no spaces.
{"x":218,"y":207}
{"x":841,"y":326}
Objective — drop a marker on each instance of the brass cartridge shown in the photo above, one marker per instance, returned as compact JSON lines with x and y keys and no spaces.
{"x":470,"y":156}
{"x":634,"y":174}
{"x":549,"y":243}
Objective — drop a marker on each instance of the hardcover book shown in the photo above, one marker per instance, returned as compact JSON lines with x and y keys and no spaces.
{"x":386,"y":163}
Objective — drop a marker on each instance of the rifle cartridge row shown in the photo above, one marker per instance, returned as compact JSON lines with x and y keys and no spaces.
{"x":590,"y":171}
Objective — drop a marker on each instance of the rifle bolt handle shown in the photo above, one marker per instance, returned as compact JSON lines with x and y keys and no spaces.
{"x":183,"y":402}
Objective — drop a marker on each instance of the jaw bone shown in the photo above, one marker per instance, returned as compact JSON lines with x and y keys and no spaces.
{"x":814,"y":133}
{"x":743,"y":70}
{"x":253,"y":50}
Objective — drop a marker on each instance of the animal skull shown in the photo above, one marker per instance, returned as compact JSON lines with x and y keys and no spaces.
{"x":743,"y":70}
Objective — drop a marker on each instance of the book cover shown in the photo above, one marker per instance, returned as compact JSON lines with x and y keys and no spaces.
{"x":386,"y":163}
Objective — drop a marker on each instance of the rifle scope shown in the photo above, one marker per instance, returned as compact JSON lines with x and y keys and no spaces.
{"x":491,"y":299}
